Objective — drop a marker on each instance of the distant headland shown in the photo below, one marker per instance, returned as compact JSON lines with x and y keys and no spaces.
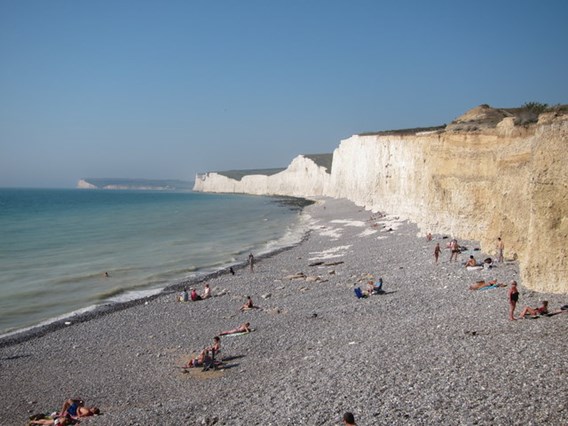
{"x":135,"y":184}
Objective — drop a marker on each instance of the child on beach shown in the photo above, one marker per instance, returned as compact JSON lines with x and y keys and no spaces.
{"x":513,"y":296}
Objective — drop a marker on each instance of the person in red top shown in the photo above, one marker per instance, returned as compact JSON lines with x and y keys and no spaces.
{"x":533,"y":312}
{"x":194,"y":296}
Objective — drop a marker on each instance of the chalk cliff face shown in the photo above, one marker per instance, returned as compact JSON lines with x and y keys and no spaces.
{"x":302,"y":178}
{"x":486,"y":175}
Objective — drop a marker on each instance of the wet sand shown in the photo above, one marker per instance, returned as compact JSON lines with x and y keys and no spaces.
{"x":427,"y":351}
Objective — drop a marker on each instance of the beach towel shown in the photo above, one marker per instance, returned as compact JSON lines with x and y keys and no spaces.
{"x":242,"y":333}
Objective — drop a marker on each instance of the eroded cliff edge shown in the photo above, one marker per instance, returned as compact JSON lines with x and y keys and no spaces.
{"x":490,"y":173}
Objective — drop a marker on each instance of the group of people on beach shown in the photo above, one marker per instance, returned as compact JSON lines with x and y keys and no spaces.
{"x":473,"y":264}
{"x":207,"y":356}
{"x":184,"y":296}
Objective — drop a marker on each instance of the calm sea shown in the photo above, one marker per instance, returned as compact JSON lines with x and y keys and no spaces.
{"x":57,"y":244}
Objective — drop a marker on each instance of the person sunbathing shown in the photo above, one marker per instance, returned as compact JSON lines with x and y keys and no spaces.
{"x":243,"y":328}
{"x":58,"y":421}
{"x":248,"y":305}
{"x":534,"y":312}
{"x":75,"y":408}
{"x":483,"y":284}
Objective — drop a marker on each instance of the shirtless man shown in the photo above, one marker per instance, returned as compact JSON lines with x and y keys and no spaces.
{"x":471,"y":261}
{"x":454,"y":249}
{"x":251,"y":262}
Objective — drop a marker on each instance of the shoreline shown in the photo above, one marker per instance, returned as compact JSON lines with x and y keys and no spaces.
{"x":426,"y":351}
{"x":109,"y":305}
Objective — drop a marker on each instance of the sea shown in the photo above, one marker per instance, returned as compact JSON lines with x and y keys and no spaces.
{"x":67,"y":251}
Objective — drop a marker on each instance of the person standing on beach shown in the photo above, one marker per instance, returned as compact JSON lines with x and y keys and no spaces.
{"x":454,"y":249}
{"x":500,"y":249}
{"x":251,"y":262}
{"x":513,"y":298}
{"x":437,"y":251}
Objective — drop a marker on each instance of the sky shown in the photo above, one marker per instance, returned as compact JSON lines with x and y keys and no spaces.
{"x":165,"y":89}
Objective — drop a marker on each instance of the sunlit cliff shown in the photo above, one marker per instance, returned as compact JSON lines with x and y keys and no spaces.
{"x":489,"y":173}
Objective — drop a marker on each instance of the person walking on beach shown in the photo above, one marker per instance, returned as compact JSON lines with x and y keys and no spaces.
{"x":437,"y":251}
{"x":500,"y":249}
{"x":251,"y":262}
{"x":454,"y":250}
{"x":513,"y":295}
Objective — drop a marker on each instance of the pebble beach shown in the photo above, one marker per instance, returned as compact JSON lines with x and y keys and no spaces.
{"x":426,"y":351}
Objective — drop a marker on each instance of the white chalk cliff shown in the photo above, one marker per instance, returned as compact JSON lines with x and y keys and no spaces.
{"x":490,"y":173}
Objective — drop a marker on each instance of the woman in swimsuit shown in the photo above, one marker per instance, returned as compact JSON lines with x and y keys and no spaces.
{"x":513,"y":298}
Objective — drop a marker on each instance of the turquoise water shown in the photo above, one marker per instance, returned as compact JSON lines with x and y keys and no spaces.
{"x":56,"y":244}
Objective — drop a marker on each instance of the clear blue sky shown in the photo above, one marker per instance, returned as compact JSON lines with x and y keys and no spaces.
{"x":166,"y":89}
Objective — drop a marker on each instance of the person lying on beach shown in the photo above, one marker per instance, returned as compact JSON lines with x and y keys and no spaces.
{"x":75,"y":408}
{"x":243,"y":328}
{"x":534,"y":312}
{"x":49,"y":420}
{"x":248,"y":305}
{"x":482,"y":284}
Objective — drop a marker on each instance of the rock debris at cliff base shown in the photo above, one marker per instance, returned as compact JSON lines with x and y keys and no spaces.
{"x":428,"y":351}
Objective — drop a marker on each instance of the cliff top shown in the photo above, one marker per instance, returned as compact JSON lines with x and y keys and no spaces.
{"x":239,"y":174}
{"x":323,"y":160}
{"x":484,"y":117}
